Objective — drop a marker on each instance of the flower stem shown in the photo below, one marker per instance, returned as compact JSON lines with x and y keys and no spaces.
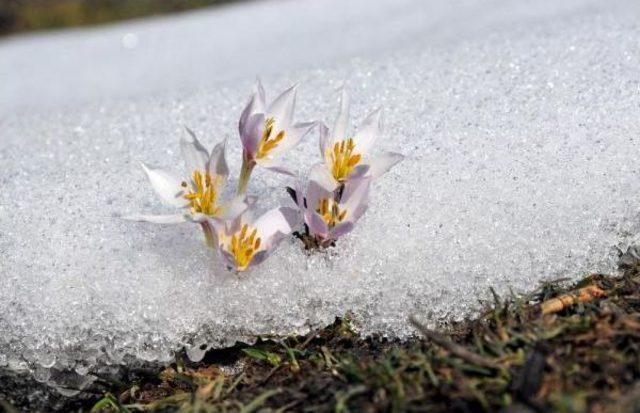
{"x":209,"y":235}
{"x":245,"y":174}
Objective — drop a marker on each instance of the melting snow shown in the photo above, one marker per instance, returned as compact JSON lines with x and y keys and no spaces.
{"x":521,"y":130}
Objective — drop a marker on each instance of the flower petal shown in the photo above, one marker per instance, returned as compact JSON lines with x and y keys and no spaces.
{"x":217,"y":164}
{"x":292,"y":137}
{"x":380,"y":164}
{"x":321,"y":185}
{"x":355,"y":198}
{"x":227,"y":258}
{"x":197,"y":218}
{"x":260,"y":257}
{"x":342,"y":120}
{"x":256,"y":104}
{"x":280,"y":220}
{"x":258,"y":90}
{"x":234,"y":208}
{"x":282,"y":108}
{"x":323,"y":177}
{"x":368,"y":132}
{"x":325,"y":141}
{"x":300,"y":196}
{"x":158,"y":219}
{"x":317,"y":225}
{"x":360,"y":171}
{"x":193,"y":152}
{"x":251,"y":133}
{"x":275,"y":166}
{"x":341,"y":229}
{"x":167,"y":186}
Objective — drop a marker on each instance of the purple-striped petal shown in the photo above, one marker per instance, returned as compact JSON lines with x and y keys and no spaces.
{"x":217,"y":163}
{"x":341,"y":229}
{"x":251,"y":133}
{"x":317,"y":225}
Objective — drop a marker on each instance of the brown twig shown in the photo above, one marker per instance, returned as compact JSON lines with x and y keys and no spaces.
{"x":584,"y":294}
{"x":453,"y":348}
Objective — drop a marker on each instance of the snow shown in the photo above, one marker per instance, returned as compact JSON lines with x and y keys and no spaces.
{"x":520,"y":121}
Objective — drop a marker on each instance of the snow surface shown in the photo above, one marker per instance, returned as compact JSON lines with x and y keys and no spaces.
{"x":520,"y":121}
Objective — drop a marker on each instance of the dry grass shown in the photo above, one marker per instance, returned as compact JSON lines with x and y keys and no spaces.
{"x":583,"y":356}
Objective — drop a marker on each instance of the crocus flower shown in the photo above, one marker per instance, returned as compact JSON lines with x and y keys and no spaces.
{"x":196,"y":196}
{"x":268,"y":131}
{"x":246,"y":242}
{"x":347,"y":156}
{"x":331,"y":211}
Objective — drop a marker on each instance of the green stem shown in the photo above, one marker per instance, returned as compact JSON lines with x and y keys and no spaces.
{"x":209,"y":235}
{"x":245,"y":174}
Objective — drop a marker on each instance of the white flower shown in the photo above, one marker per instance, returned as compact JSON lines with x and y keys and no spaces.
{"x":246,"y":242}
{"x":347,"y":156}
{"x":329,"y":210}
{"x":197,"y":195}
{"x":268,"y":131}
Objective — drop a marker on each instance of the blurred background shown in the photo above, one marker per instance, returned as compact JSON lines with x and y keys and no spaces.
{"x":28,"y":15}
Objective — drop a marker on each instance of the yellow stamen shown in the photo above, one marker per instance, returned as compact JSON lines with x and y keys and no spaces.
{"x":203,"y":196}
{"x":342,"y":159}
{"x":268,"y":143}
{"x":243,"y":247}
{"x":330,"y":212}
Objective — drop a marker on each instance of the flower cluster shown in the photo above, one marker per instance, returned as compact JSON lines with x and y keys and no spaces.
{"x":329,"y":205}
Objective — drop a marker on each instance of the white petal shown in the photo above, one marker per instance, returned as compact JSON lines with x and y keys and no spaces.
{"x":247,"y":112}
{"x":197,"y":217}
{"x":217,"y":164}
{"x":292,"y":137}
{"x":280,"y":220}
{"x":342,"y":120}
{"x":275,"y":166}
{"x":325,"y":140}
{"x":246,"y":217}
{"x":220,"y":227}
{"x":380,"y":164}
{"x":234,"y":208}
{"x":355,"y":197}
{"x":158,"y":219}
{"x":321,"y":185}
{"x":193,"y":152}
{"x":368,"y":132}
{"x":260,"y":103}
{"x":323,"y":177}
{"x":167,"y":186}
{"x":282,"y":108}
{"x":255,"y":105}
